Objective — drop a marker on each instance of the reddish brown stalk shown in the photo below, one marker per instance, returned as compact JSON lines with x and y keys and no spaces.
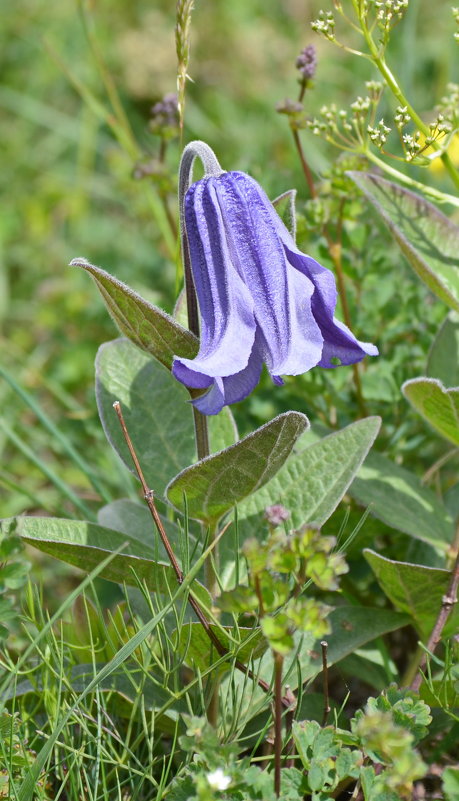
{"x":448,"y":601}
{"x":149,"y":498}
{"x":324,"y":647}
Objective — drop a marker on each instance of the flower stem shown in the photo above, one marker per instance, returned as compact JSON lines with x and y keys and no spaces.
{"x":429,"y":191}
{"x":391,"y":81}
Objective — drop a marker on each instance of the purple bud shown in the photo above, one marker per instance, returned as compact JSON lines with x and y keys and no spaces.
{"x":164,"y":115}
{"x":277,"y":514}
{"x":307,"y":62}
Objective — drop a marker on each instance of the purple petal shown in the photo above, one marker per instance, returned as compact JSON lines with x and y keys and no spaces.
{"x":233,"y":388}
{"x":292,"y":341}
{"x":225,"y":302}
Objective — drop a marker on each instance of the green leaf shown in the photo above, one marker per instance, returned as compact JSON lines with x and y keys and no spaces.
{"x":439,"y":406}
{"x":312,"y":482}
{"x":397,"y":497}
{"x":428,"y":239}
{"x":451,"y":783}
{"x":285,"y":207}
{"x":414,"y":589}
{"x":147,"y":326}
{"x":222,"y":430}
{"x":155,"y":406}
{"x":85,"y":545}
{"x":197,"y":650}
{"x":443,"y":361}
{"x":215,"y":484}
{"x":133,"y":519}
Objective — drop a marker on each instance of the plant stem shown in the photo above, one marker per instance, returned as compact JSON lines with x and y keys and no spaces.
{"x":447,"y":605}
{"x":150,"y":500}
{"x":324,"y":647}
{"x":278,"y":665}
{"x":396,"y":90}
{"x":434,"y":194}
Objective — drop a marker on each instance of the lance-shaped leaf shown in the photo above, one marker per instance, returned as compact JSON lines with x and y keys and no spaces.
{"x":146,"y":325}
{"x":312,"y":482}
{"x":415,"y":589}
{"x":443,"y":361}
{"x":429,"y":239}
{"x":285,"y":207}
{"x":397,"y":497}
{"x":439,"y":406}
{"x":158,"y":417}
{"x":85,"y":545}
{"x":215,"y":484}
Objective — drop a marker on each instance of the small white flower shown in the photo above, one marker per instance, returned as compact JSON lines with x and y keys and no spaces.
{"x":218,"y":780}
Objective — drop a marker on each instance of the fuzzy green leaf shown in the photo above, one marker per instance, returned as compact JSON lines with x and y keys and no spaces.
{"x":397,"y":497}
{"x":312,"y":482}
{"x":285,"y":207}
{"x":215,"y":484}
{"x":428,"y":239}
{"x":438,"y":405}
{"x":414,"y":589}
{"x":443,"y":361}
{"x":147,"y":326}
{"x":158,"y":417}
{"x":85,"y":545}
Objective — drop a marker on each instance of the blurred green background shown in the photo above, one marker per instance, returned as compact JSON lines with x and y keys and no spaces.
{"x":69,"y":190}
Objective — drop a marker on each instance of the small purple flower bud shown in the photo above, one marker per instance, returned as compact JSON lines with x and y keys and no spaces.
{"x":164,"y":116}
{"x":307,"y":62}
{"x":276,"y":514}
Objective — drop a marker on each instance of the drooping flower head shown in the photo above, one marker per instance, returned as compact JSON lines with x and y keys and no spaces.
{"x":261,"y":300}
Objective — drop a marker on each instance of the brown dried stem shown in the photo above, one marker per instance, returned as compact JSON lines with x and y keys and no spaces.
{"x":149,"y":498}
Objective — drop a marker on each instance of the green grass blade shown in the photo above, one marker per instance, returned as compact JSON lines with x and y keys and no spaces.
{"x":30,"y":401}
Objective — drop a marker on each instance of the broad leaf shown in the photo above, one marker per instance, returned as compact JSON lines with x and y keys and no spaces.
{"x":155,"y":406}
{"x":312,"y":482}
{"x":147,"y":326}
{"x":428,"y":239}
{"x":398,"y":498}
{"x":443,"y":361}
{"x":85,"y":545}
{"x":135,"y":519}
{"x":197,"y":650}
{"x":222,"y":430}
{"x":285,"y":207}
{"x":215,"y":484}
{"x":439,"y":406}
{"x":414,"y":589}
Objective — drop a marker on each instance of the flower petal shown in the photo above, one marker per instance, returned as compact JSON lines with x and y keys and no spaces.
{"x":225,"y":303}
{"x":233,"y":388}
{"x":339,"y":342}
{"x":292,"y":341}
